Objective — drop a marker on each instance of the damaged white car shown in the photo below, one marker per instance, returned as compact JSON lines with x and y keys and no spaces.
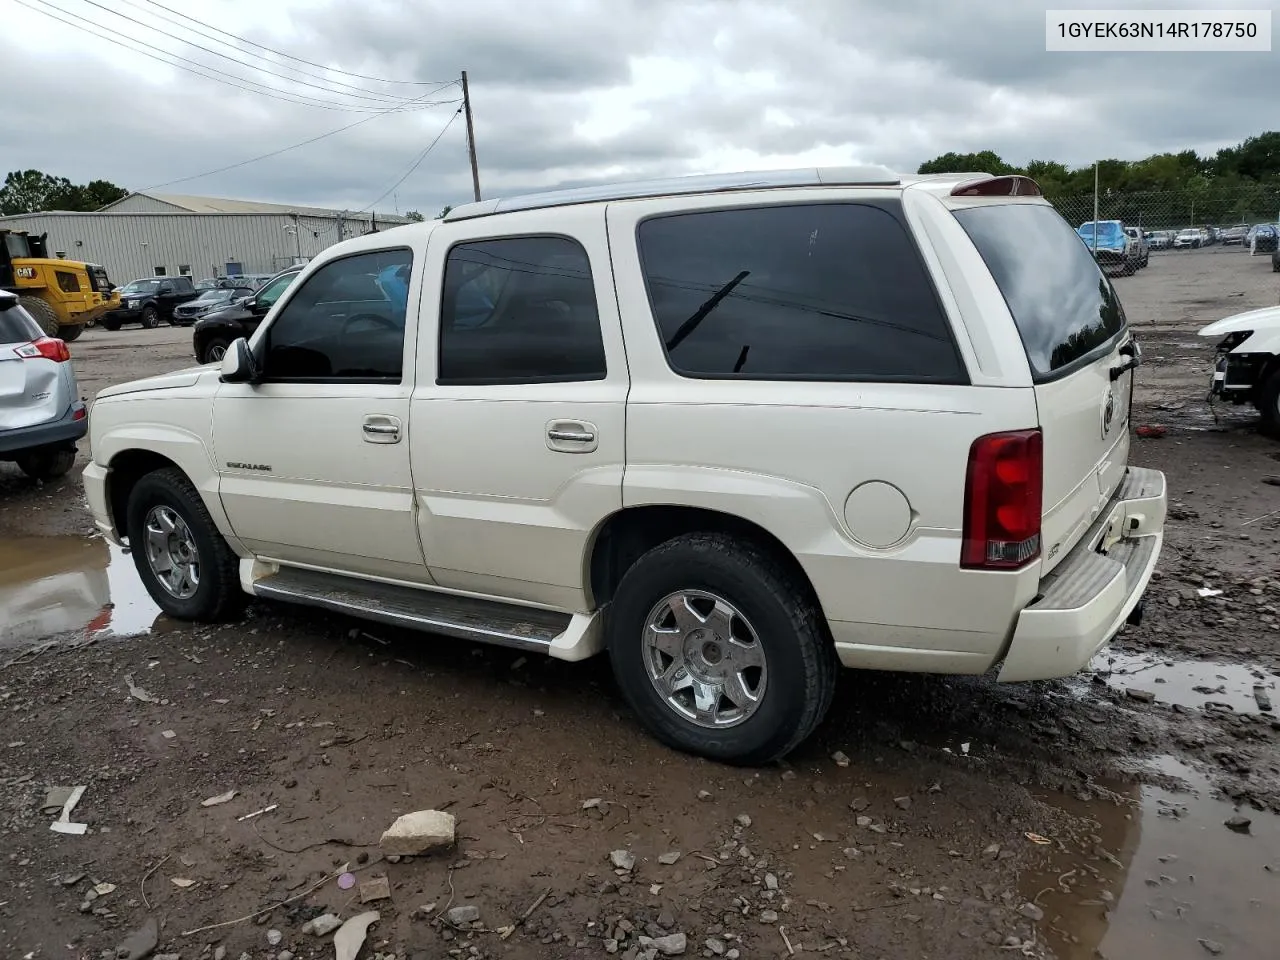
{"x":1247,"y":366}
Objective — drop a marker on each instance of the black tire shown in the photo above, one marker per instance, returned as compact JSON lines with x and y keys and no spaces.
{"x":1128,"y":269}
{"x":112,"y":325}
{"x":1275,"y":265}
{"x":218,"y":593}
{"x":215,"y":345}
{"x":1269,"y":405}
{"x":47,"y":463}
{"x":42,"y":313}
{"x":71,"y":332}
{"x":150,"y":318}
{"x":799,"y":656}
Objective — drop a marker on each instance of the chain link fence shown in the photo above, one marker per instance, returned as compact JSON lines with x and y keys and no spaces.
{"x":1175,"y":210}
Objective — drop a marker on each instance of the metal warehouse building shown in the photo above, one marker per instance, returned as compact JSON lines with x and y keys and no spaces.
{"x":159,"y":234}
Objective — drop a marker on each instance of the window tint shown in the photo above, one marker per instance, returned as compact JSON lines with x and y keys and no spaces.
{"x":519,"y":310}
{"x":1062,"y":303}
{"x":823,"y":291}
{"x":346,"y":322}
{"x":269,"y":294}
{"x":16,"y":325}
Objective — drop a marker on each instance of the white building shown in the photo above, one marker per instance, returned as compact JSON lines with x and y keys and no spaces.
{"x":161,"y":234}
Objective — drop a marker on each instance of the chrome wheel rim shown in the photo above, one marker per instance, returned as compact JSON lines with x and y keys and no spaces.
{"x":171,"y":552}
{"x":217,"y":352}
{"x":705,"y":659}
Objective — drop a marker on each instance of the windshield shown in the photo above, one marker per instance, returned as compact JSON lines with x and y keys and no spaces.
{"x":218,"y":296}
{"x":1106,"y":229}
{"x":141,"y":286}
{"x":1062,"y":303}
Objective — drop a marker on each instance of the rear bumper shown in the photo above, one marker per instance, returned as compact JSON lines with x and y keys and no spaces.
{"x":1088,"y":597}
{"x":66,"y":429}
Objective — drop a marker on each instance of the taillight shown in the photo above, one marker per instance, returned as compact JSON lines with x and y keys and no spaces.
{"x":1002,"y":501}
{"x":48,"y":348}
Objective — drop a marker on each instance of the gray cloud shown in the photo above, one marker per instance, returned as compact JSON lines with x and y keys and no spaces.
{"x":587,"y":89}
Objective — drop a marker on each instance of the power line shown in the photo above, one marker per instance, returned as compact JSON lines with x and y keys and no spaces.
{"x":208,"y":36}
{"x":377,"y":99}
{"x":276,"y":153}
{"x":215,"y":75}
{"x":416,"y":163}
{"x":287,"y":56}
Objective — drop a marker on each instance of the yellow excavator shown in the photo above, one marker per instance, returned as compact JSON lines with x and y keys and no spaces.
{"x":64,"y":296}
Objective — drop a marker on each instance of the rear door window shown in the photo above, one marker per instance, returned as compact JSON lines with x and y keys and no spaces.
{"x":1064,"y":306}
{"x":831,"y":291}
{"x":16,"y":325}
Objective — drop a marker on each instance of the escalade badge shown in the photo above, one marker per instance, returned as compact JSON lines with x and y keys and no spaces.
{"x":261,"y":467}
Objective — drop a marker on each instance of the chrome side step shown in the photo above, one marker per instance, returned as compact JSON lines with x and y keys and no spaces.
{"x":467,"y":618}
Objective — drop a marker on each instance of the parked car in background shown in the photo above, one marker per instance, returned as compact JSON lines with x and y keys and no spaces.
{"x":652,"y":420}
{"x":1140,"y":243}
{"x":1235,"y":234}
{"x":216,"y":330}
{"x":149,"y":301}
{"x":1207,"y":237}
{"x":1247,"y":366}
{"x":1159,"y":240}
{"x":41,"y":414}
{"x":1111,"y":245}
{"x":188,"y":313}
{"x":1264,"y":238}
{"x":1188,"y":239}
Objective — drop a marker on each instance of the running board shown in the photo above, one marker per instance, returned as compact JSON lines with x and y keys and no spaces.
{"x":561,"y":635}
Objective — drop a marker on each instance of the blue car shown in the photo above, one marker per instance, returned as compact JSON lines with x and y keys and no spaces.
{"x":1111,"y":245}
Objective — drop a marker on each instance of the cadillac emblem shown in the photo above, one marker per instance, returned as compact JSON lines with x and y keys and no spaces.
{"x":1108,"y":412}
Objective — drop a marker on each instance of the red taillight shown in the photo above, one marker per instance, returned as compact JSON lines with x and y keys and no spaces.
{"x":48,"y":348}
{"x":1002,"y":501}
{"x":1011,"y":186}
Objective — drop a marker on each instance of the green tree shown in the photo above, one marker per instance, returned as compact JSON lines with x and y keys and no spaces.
{"x":414,"y":215}
{"x":31,"y":191}
{"x":445,"y":212}
{"x":986,"y":161}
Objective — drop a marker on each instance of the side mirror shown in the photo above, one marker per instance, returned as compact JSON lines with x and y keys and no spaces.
{"x":238,"y":365}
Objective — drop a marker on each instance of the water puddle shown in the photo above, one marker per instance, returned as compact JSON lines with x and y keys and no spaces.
{"x":1197,"y":684}
{"x":1158,"y":874}
{"x":51,"y":585}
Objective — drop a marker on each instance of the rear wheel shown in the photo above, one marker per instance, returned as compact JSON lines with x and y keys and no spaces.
{"x":720,"y":649}
{"x":42,"y":313}
{"x":183,"y":561}
{"x":111,"y":324}
{"x":150,"y":318}
{"x":47,"y":463}
{"x":71,"y":332}
{"x":214,"y":350}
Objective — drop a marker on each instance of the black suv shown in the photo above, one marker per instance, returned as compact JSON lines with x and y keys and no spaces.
{"x":216,"y":330}
{"x":149,"y":301}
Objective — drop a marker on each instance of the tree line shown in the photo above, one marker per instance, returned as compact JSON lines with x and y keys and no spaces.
{"x":32,"y":191}
{"x":1235,"y":184}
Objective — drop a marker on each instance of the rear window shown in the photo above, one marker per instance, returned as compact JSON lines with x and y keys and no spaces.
{"x":832,"y":291}
{"x":1064,"y":306}
{"x":16,"y":325}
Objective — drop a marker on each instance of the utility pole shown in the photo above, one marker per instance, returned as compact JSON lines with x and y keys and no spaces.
{"x":297,"y":236}
{"x":1095,"y":208}
{"x":471,"y":136}
{"x":342,"y":224}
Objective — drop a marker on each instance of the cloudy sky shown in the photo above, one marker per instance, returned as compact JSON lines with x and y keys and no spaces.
{"x":570,"y":91}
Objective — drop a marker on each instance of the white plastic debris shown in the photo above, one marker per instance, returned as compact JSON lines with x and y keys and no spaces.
{"x":220,"y":798}
{"x":1209,"y":592}
{"x":63,"y":824}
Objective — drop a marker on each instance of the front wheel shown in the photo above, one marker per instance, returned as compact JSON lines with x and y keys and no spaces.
{"x":71,"y":332}
{"x":1269,"y":405}
{"x":720,"y":649}
{"x":183,"y":561}
{"x":214,"y":350}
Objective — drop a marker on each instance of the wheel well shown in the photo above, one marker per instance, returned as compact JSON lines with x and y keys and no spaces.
{"x":629,"y":534}
{"x":127,"y":468}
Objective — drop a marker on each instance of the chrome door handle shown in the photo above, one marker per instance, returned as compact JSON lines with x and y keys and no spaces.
{"x":571,"y":436}
{"x":381,"y":429}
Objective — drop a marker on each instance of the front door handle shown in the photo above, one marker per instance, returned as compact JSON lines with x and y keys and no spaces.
{"x":572,"y":436}
{"x":381,"y":429}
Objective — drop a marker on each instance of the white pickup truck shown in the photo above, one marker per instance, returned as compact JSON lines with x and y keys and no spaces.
{"x":735,"y":430}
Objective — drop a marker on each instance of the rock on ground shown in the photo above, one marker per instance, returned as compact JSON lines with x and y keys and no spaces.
{"x":419,"y":832}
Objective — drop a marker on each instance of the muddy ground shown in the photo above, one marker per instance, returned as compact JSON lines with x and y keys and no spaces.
{"x":929,"y":817}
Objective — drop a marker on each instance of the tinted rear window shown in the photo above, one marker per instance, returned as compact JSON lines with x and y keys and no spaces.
{"x":16,"y":325}
{"x":833,"y":291}
{"x":1064,"y":306}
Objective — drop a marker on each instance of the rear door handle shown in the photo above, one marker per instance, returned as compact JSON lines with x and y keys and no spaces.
{"x":379,"y":428}
{"x":572,"y":436}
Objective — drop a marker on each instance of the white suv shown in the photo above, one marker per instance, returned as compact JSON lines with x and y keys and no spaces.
{"x":737,"y":431}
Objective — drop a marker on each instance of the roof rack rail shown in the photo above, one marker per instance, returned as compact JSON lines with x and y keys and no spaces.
{"x":679,"y":186}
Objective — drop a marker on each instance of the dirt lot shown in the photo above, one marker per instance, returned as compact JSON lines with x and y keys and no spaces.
{"x":929,"y":817}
